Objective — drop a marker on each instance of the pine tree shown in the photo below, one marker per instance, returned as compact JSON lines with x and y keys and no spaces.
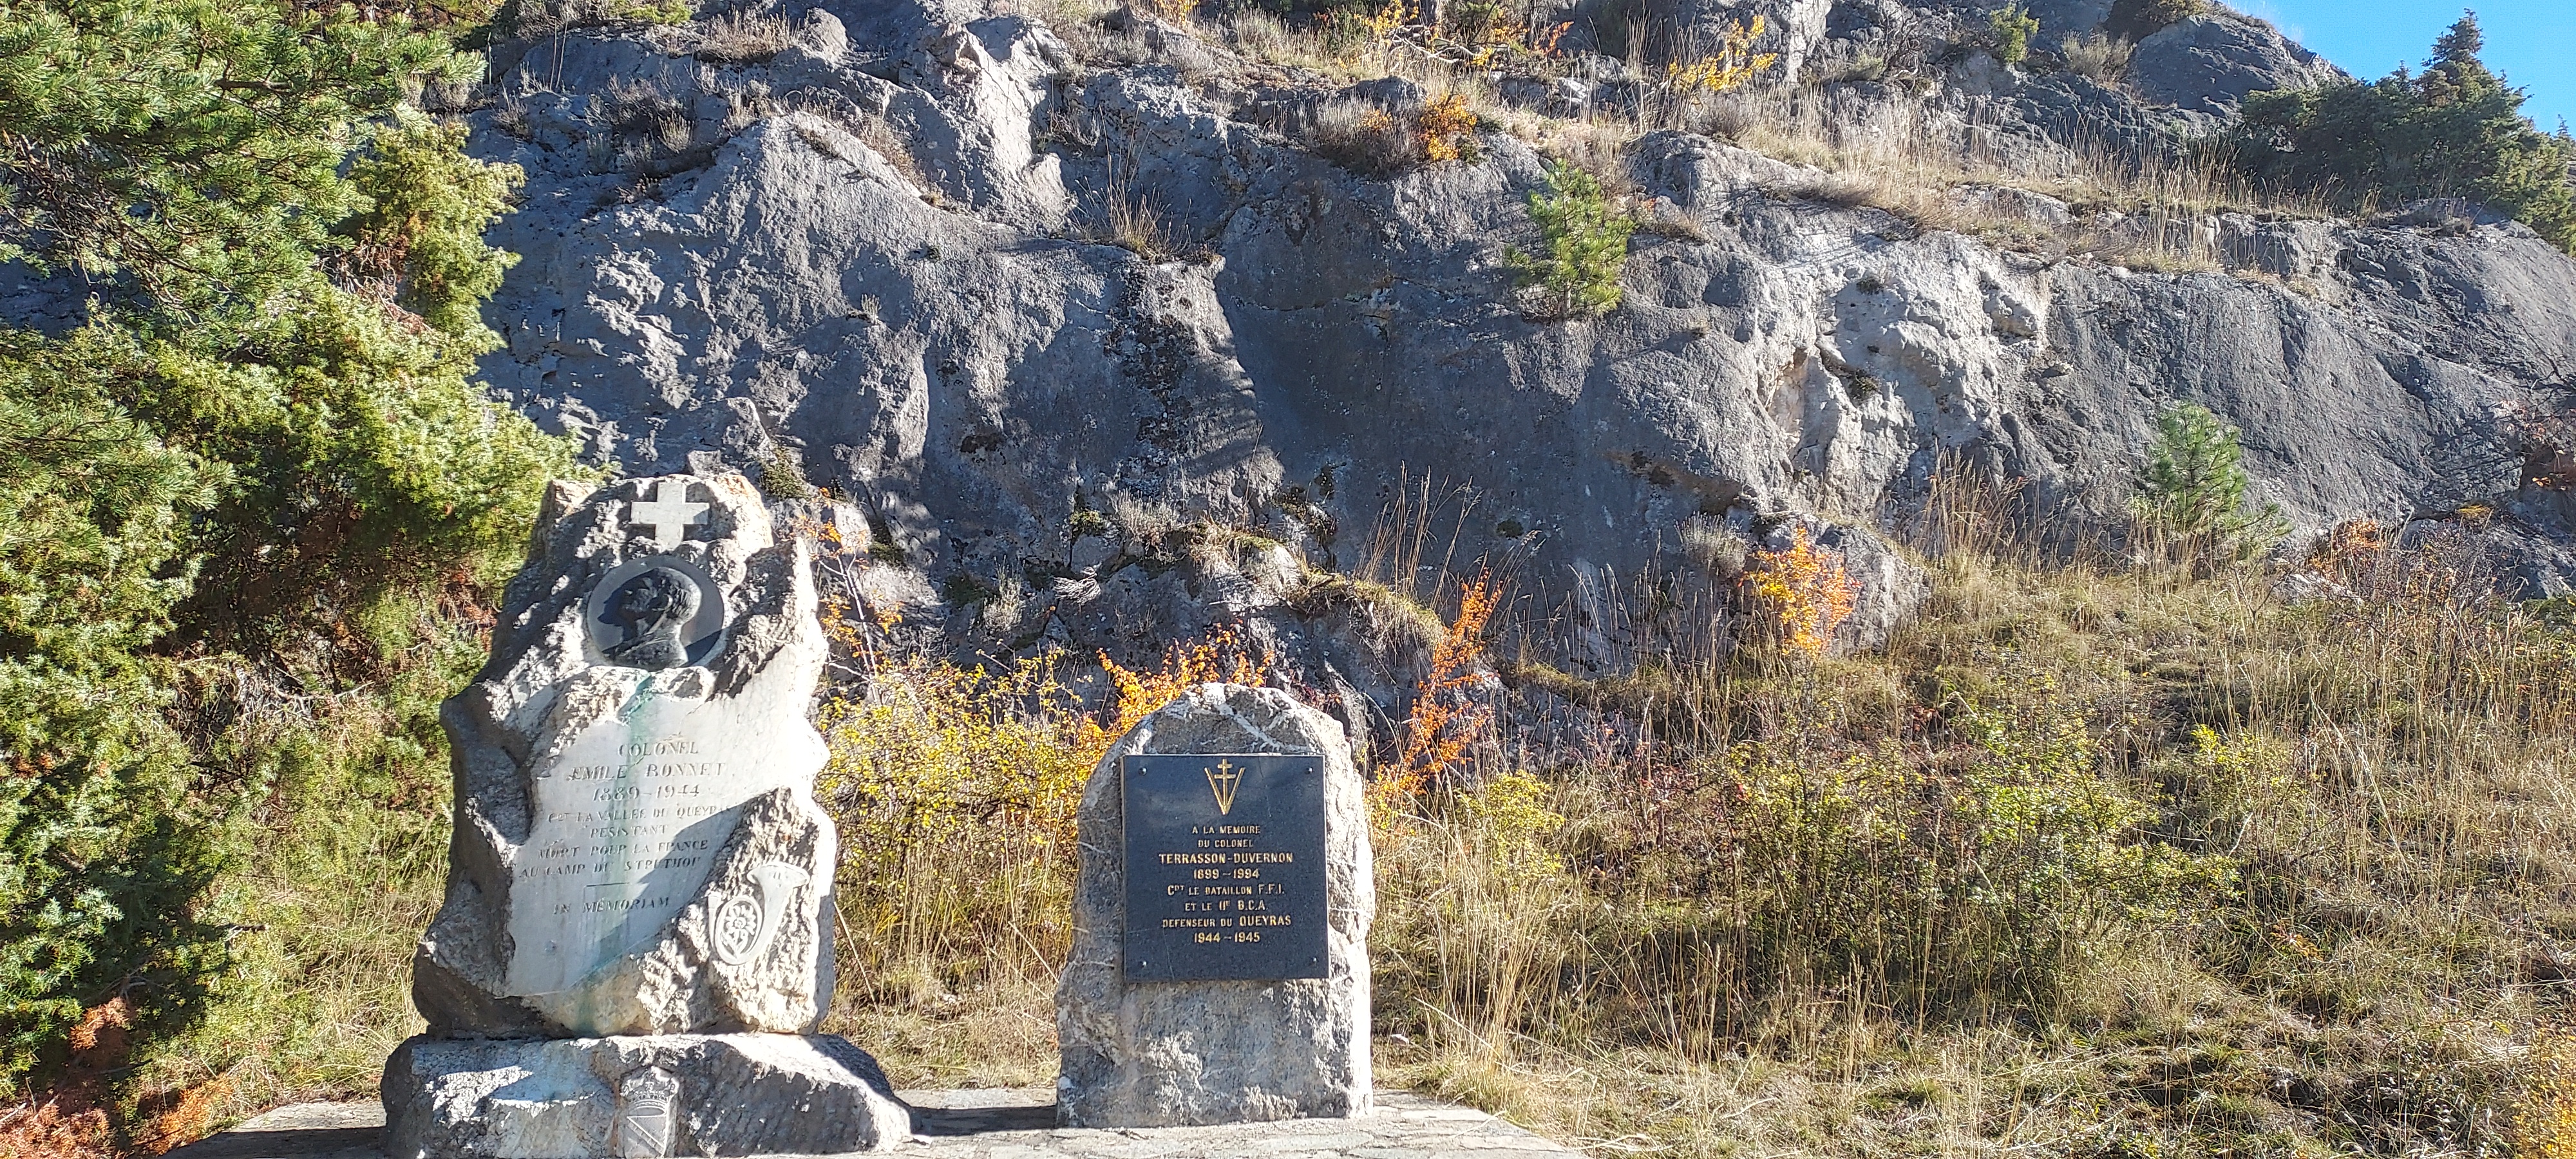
{"x":2013,"y":26}
{"x":1586,"y":236}
{"x":2194,"y":495}
{"x":2453,"y":130}
{"x":264,"y":425}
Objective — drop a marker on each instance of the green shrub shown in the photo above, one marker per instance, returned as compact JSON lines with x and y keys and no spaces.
{"x":2193,"y":497}
{"x":666,"y":12}
{"x":2013,"y":27}
{"x":98,"y":853}
{"x":427,"y":204}
{"x":2453,"y":130}
{"x":1990,"y":879}
{"x":782,"y":475}
{"x":1586,"y":237}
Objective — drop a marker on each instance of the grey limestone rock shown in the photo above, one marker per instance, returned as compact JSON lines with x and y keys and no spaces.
{"x":2212,"y":63}
{"x":636,"y":849}
{"x":878,"y":278}
{"x":1146,"y":1054}
{"x":686,"y":1094}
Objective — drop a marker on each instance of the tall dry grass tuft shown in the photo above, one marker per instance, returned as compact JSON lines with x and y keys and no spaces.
{"x":1130,"y":222}
{"x":2097,"y":56}
{"x":1468,"y":949}
{"x":743,"y":38}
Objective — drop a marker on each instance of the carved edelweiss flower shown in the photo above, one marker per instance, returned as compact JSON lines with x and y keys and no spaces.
{"x":734,"y":927}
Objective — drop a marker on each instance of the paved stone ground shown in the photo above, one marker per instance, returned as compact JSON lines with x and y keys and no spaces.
{"x":1003,"y":1124}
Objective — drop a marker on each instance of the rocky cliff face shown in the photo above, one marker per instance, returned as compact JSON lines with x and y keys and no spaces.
{"x":871,"y":252}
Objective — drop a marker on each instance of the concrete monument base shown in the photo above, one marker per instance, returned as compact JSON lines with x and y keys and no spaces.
{"x":1004,"y":1124}
{"x":656,"y":1095}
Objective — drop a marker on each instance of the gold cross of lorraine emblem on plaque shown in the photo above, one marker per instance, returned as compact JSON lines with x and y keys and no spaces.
{"x":1222,"y":780}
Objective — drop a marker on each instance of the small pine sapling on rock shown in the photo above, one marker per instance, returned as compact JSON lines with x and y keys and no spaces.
{"x":2193,"y":497}
{"x":2013,"y":27}
{"x":1585,"y":233}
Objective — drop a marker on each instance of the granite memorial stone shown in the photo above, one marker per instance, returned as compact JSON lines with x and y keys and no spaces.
{"x":1219,"y":971}
{"x":636,"y":941}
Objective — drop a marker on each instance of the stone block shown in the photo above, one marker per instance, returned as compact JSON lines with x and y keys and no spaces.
{"x":677,"y":1094}
{"x":1185,"y":1053}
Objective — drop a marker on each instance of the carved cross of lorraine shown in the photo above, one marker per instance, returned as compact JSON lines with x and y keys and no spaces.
{"x":670,"y":513}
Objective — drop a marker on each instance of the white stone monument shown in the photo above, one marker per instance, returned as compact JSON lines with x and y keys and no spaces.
{"x":1219,"y":974}
{"x":636,"y":943}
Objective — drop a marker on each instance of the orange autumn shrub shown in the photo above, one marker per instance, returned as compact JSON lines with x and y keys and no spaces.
{"x":1446,"y":719}
{"x":1806,"y":590}
{"x":1219,"y":658}
{"x":189,"y":1118}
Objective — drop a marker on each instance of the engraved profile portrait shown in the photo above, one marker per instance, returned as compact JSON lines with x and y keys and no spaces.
{"x":655,"y":614}
{"x":652,"y":607}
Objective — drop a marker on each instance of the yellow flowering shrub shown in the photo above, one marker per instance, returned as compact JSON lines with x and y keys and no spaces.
{"x":1512,"y":825}
{"x":2545,"y":1119}
{"x":1446,"y":129}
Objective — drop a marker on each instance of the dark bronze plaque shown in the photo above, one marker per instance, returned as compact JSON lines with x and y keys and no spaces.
{"x":1225,"y":867}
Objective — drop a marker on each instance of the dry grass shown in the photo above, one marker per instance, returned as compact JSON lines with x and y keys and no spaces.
{"x":871,"y":130}
{"x":1129,"y":221}
{"x":2097,"y":56}
{"x":647,"y":126}
{"x":318,"y":990}
{"x":743,"y":38}
{"x":1362,"y":138}
{"x":511,"y":118}
{"x":2148,"y":211}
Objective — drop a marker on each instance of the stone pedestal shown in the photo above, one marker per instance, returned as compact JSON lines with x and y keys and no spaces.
{"x":664,"y":1094}
{"x":636,"y":942}
{"x":1139,"y":1053}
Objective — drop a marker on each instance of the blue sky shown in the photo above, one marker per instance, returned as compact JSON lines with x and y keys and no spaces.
{"x":2533,"y":42}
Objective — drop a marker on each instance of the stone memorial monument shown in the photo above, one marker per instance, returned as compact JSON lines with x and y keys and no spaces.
{"x":1220,"y":967}
{"x":636,"y":942}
